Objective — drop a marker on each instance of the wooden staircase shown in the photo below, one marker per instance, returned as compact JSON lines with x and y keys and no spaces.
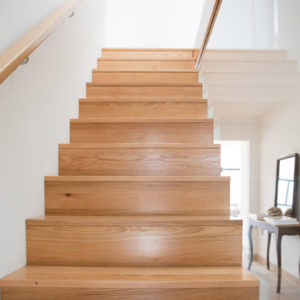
{"x":139,"y":210}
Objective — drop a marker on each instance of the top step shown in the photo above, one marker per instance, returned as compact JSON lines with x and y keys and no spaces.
{"x":165,"y":54}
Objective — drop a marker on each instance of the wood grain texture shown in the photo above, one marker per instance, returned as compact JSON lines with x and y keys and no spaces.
{"x":147,"y":53}
{"x":141,"y":131}
{"x":154,"y":65}
{"x":59,"y":293}
{"x":139,"y":109}
{"x":17,"y":53}
{"x":136,"y":159}
{"x":133,"y":195}
{"x":134,"y":241}
{"x":122,"y":91}
{"x":148,"y":277}
{"x":189,"y":77}
{"x":135,"y":221}
{"x":48,"y":282}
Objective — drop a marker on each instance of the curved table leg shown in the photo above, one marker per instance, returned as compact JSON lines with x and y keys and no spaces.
{"x":250,"y":246}
{"x":268,"y":250}
{"x":279,"y":237}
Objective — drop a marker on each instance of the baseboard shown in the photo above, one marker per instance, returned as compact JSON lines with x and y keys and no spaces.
{"x":261,"y":260}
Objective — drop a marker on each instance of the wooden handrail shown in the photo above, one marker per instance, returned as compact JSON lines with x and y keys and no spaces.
{"x":209,"y":30}
{"x":19,"y":52}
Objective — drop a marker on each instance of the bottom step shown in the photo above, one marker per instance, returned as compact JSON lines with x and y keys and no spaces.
{"x":41,"y":282}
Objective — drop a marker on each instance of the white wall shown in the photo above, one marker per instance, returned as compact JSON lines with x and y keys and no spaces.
{"x":279,"y":136}
{"x":258,"y":24}
{"x":288,"y":27}
{"x":19,"y":16}
{"x":245,"y":24}
{"x":36,"y":103}
{"x":153,"y":23}
{"x":234,"y":26}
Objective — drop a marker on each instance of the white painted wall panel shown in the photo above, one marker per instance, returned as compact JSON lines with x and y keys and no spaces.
{"x":36,"y":103}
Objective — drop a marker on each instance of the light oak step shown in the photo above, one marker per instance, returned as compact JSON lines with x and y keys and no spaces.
{"x":148,"y":53}
{"x":94,"y":283}
{"x":137,"y":195}
{"x":159,"y":77}
{"x":144,"y":91}
{"x":137,"y":241}
{"x":139,"y":159}
{"x":138,"y":64}
{"x":139,"y":109}
{"x":142,"y":131}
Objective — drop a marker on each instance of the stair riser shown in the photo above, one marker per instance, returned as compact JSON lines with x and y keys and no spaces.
{"x":145,"y":77}
{"x":140,"y":54}
{"x":59,"y":293}
{"x":144,"y":92}
{"x":134,"y":245}
{"x":142,"y":110}
{"x":143,"y":132}
{"x":204,"y":198}
{"x":140,"y":161}
{"x":154,"y":65}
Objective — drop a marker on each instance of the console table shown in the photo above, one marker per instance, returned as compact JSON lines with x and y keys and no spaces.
{"x":280,"y":231}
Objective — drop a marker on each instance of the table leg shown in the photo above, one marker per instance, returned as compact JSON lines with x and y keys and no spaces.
{"x":250,"y":246}
{"x":279,"y":237}
{"x":268,"y":250}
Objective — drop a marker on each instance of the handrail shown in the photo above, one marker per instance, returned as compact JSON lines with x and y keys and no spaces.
{"x":208,"y":31}
{"x":20,"y":51}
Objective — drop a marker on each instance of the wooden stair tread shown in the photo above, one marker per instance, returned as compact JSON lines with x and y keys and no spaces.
{"x":135,"y":220}
{"x":108,"y":120}
{"x":95,"y":100}
{"x":146,"y":59}
{"x":152,"y":49}
{"x":144,"y":84}
{"x":165,"y":277}
{"x":137,"y":178}
{"x":138,"y":145}
{"x":145,"y":71}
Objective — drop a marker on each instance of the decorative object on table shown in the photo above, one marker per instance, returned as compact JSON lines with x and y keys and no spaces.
{"x":274,"y":212}
{"x":288,"y":213}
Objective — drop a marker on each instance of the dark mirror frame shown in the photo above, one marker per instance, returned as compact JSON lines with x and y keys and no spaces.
{"x":296,"y":204}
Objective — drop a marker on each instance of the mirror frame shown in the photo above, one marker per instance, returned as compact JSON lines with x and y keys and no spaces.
{"x":295,"y":205}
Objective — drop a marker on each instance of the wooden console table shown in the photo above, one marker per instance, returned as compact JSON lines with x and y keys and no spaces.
{"x":280,"y":231}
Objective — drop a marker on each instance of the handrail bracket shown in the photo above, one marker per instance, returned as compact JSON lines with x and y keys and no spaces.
{"x":25,"y":61}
